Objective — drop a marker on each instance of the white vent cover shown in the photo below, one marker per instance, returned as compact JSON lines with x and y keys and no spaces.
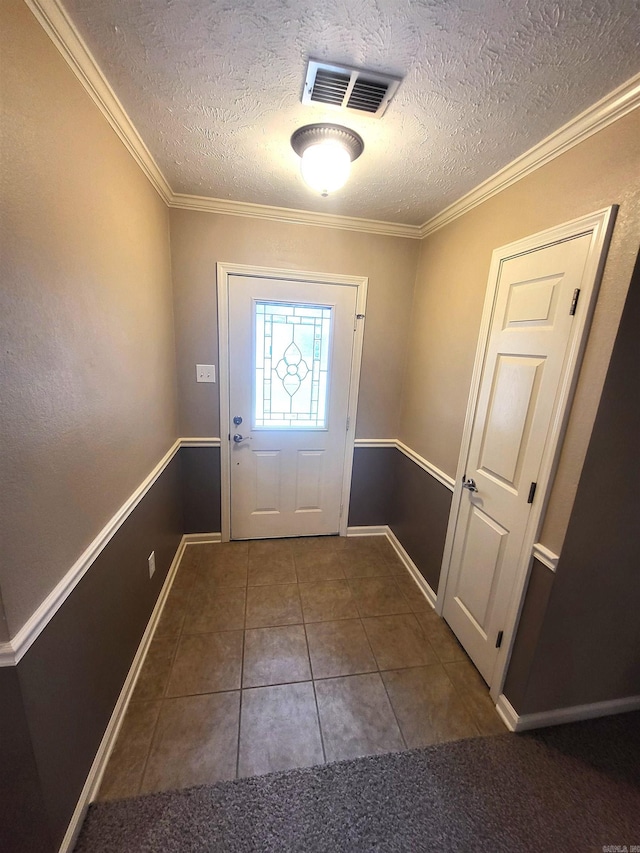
{"x":346,"y":88}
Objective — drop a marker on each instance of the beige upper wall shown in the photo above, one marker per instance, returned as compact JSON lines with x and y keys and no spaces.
{"x":88,"y":386}
{"x":450,"y":287}
{"x":200,"y":240}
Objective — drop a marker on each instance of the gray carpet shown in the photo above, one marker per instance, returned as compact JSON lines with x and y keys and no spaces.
{"x":570,"y":788}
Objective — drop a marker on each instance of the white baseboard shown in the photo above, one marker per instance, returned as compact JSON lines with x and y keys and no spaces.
{"x":201,"y":538}
{"x":523,"y":722}
{"x":385,"y":530}
{"x":92,"y":785}
{"x":415,"y":573}
{"x":379,"y":530}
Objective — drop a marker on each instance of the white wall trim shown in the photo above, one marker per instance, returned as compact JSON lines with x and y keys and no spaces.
{"x":92,"y":783}
{"x":294,"y":217}
{"x":38,"y":621}
{"x":376,"y":442}
{"x":61,"y":30}
{"x":202,"y":538}
{"x":423,"y":463}
{"x":609,"y":109}
{"x":368,"y":530}
{"x":545,"y":556}
{"x":13,"y":651}
{"x":424,"y":587}
{"x":63,"y":33}
{"x":523,"y":722}
{"x":385,"y":530}
{"x":200,"y":442}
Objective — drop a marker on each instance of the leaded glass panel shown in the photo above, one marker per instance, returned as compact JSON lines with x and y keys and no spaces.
{"x":292,"y":362}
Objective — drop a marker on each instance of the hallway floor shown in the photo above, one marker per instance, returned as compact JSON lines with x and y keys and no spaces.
{"x":275,"y":654}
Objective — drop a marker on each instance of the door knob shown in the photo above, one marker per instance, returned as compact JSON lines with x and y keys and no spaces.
{"x":238,"y":438}
{"x":469,"y":484}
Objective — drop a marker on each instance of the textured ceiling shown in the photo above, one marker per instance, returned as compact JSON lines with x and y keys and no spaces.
{"x":213,"y":87}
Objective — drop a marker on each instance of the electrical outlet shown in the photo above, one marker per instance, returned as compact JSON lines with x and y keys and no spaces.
{"x":205,"y":373}
{"x":152,"y":563}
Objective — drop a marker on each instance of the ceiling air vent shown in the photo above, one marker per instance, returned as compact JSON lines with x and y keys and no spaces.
{"x":348,"y":88}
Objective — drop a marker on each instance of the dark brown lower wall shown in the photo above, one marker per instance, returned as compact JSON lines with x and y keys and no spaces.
{"x":23,"y":823}
{"x":201,"y":489}
{"x":389,"y":488}
{"x":419,"y":517}
{"x":71,"y":677}
{"x":372,"y":486}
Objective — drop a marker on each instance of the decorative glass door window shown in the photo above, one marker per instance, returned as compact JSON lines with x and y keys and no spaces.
{"x":291,"y":365}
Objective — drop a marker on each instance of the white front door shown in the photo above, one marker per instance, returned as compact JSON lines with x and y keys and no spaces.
{"x":523,"y":385}
{"x":291,"y":347}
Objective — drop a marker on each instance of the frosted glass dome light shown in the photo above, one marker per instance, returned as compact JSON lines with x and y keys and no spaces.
{"x":326,"y":151}
{"x":325,"y":166}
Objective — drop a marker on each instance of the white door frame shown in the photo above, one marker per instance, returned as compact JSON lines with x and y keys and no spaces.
{"x":224,"y":271}
{"x":600,"y":225}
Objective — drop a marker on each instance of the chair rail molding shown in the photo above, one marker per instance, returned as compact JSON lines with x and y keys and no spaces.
{"x":13,"y":651}
{"x":423,"y":463}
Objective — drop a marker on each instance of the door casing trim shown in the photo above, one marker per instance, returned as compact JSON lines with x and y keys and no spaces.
{"x":224,"y":271}
{"x":600,"y":226}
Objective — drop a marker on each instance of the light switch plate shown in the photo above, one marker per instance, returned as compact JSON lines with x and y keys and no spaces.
{"x":152,"y":563}
{"x":205,"y":373}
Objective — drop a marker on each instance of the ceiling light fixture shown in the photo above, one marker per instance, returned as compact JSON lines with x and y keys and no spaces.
{"x":327,"y":151}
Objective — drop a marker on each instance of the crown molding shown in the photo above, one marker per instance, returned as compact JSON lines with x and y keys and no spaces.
{"x":293,"y":216}
{"x":59,"y":27}
{"x":609,"y":109}
{"x":62,"y":32}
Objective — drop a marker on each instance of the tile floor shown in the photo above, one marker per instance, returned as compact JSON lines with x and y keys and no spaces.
{"x":286,"y":653}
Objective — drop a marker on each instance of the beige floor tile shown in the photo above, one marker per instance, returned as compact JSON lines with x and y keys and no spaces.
{"x":272,"y":567}
{"x":153,"y":678}
{"x":398,"y":641}
{"x":126,"y":765}
{"x":217,"y":609}
{"x":356,"y":717}
{"x":362,"y":546}
{"x":366,"y":564}
{"x":186,"y":575}
{"x":378,"y":596}
{"x":475,"y":694}
{"x":327,"y":600}
{"x":173,"y":612}
{"x":316,"y":544}
{"x":418,"y":602}
{"x":268,"y":548}
{"x":428,"y":706}
{"x":268,"y":606}
{"x":195,"y":742}
{"x":339,"y":648}
{"x":279,"y":729}
{"x":213,"y":576}
{"x":441,"y":637}
{"x":219,"y":553}
{"x":275,"y":656}
{"x":206,"y":663}
{"x":318,"y":565}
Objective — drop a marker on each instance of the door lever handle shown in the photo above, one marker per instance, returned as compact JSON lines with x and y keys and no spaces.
{"x":238,"y":438}
{"x":469,"y":484}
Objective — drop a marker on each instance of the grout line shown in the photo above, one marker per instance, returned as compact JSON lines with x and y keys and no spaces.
{"x":393,"y":711}
{"x":244,"y":636}
{"x":161,"y":699}
{"x":315,"y":696}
